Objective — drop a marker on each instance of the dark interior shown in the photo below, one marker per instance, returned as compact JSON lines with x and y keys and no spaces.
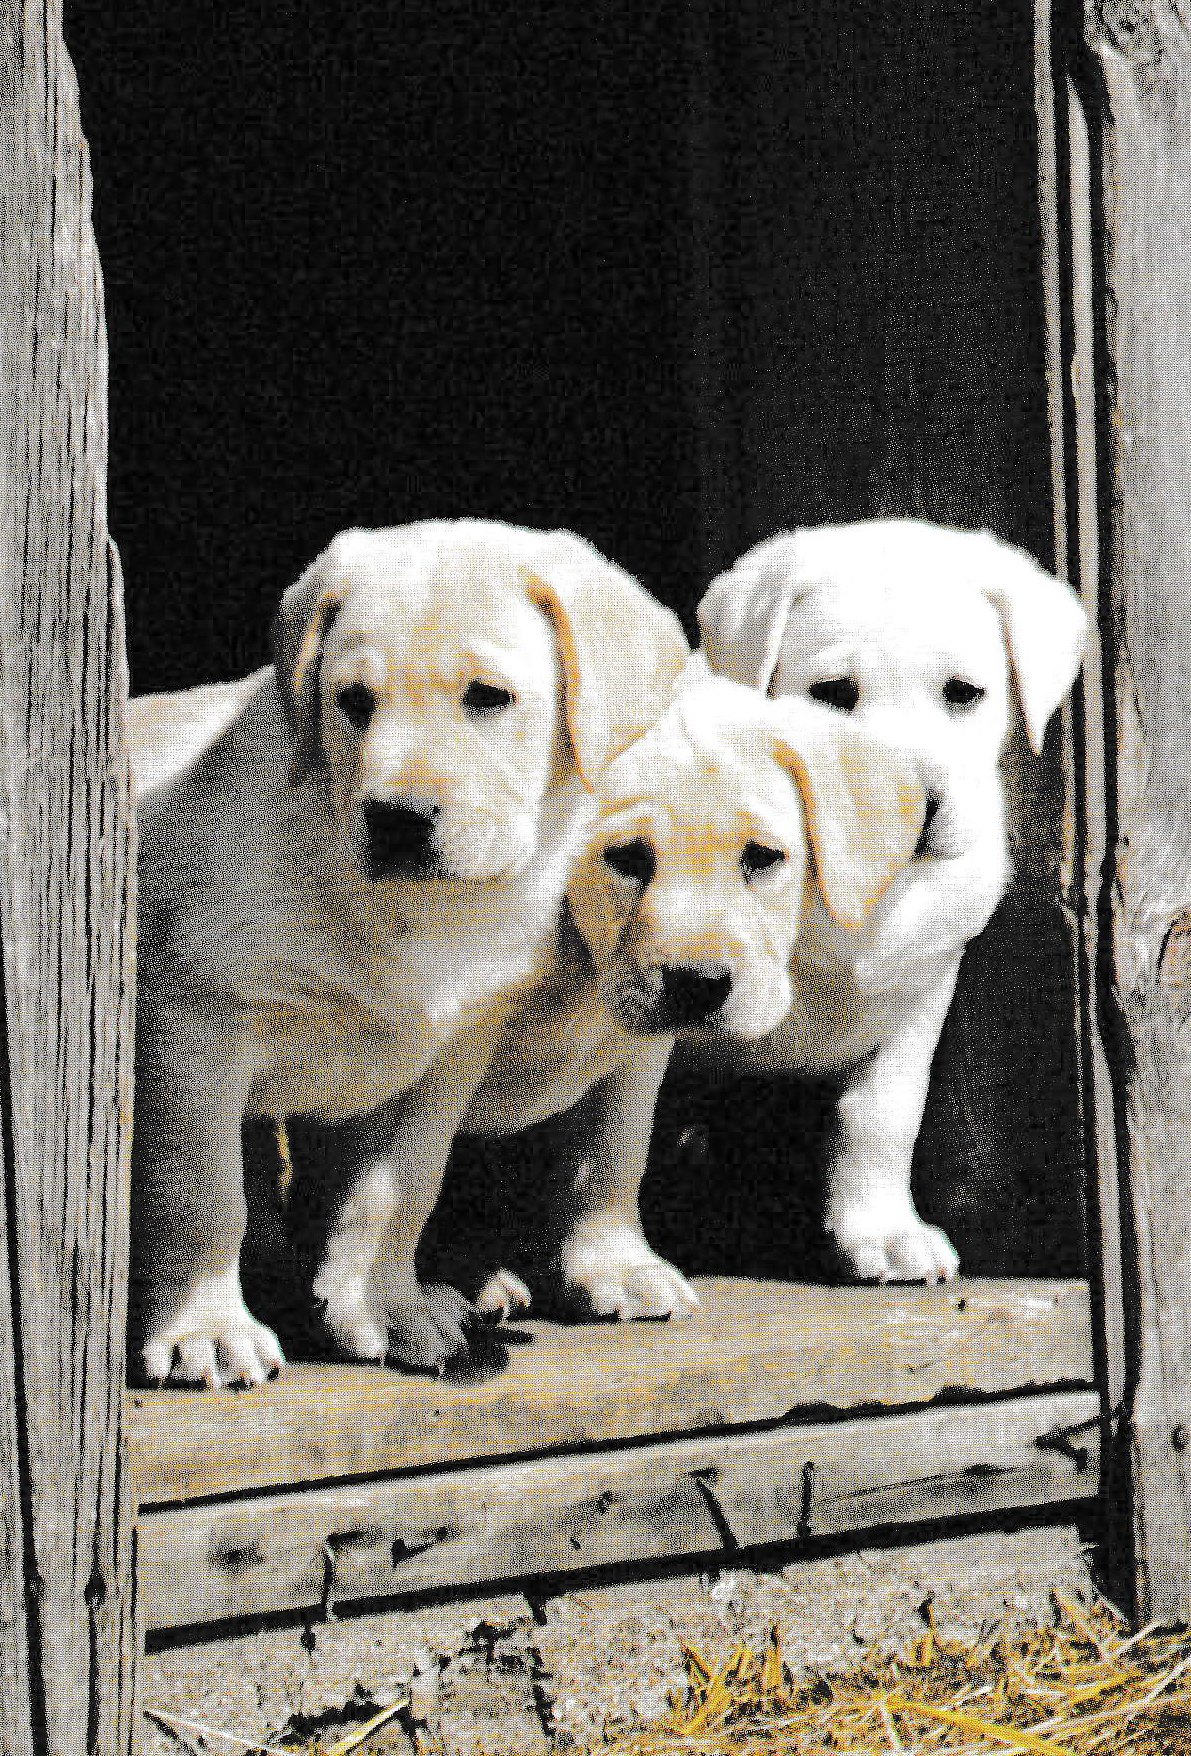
{"x":673,"y":277}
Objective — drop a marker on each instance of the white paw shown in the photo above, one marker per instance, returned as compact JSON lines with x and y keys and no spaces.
{"x":212,"y":1338}
{"x":890,"y":1245}
{"x":503,"y":1294}
{"x":610,"y":1271}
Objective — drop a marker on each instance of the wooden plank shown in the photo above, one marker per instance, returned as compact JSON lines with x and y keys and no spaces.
{"x":67,"y":1632}
{"x":754,"y":1352}
{"x":685,"y":1497}
{"x":1141,"y":199}
{"x":1068,"y":258}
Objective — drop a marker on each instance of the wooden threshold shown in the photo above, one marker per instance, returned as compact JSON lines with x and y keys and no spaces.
{"x":778,"y":1413}
{"x":756,"y":1351}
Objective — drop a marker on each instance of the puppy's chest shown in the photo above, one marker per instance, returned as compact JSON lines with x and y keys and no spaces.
{"x":349,"y":1026}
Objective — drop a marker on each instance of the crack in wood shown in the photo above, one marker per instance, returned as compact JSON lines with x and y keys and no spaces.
{"x":404,"y":1550}
{"x":807,"y":1497}
{"x":703,"y":1478}
{"x":1060,"y":1439}
{"x":1174,"y":958}
{"x":336,"y":1541}
{"x":939,"y":1479}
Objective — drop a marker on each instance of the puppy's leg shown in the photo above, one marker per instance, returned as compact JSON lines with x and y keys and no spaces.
{"x":602,"y":1263}
{"x":190,"y":1322}
{"x":373,"y":1304}
{"x":870,"y":1214}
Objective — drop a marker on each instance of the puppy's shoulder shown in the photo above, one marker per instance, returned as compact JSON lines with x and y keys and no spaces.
{"x":210,"y":829}
{"x":235,"y":739}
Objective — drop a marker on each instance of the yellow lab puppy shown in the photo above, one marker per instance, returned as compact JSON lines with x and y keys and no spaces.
{"x":681,"y":915}
{"x":341,"y":893}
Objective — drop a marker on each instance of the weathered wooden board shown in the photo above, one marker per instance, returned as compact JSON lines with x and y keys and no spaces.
{"x":755,"y":1352}
{"x":1069,"y":292}
{"x":67,"y":1636}
{"x":1141,"y":199}
{"x":636,"y":1503}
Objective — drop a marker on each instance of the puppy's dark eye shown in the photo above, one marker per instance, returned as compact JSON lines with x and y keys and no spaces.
{"x":756,"y":857}
{"x":632,"y":859}
{"x":357,"y":704}
{"x":486,"y":697}
{"x":959,"y":693}
{"x":842,"y":693}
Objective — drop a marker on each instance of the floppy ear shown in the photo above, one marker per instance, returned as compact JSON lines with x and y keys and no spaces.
{"x":743,"y":613}
{"x":1044,"y":625}
{"x":619,"y":650}
{"x":303,"y":618}
{"x":864,"y":802}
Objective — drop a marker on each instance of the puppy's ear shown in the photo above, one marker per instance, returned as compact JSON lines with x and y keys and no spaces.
{"x":743,"y":613}
{"x":619,"y":650}
{"x":1044,"y":625}
{"x":303,"y":619}
{"x":864,"y":802}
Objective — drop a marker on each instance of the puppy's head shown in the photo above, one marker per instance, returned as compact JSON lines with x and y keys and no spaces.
{"x":924,"y":635}
{"x":443,"y":676}
{"x":710,"y":829}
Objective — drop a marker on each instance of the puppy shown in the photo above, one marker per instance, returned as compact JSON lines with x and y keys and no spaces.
{"x":934,"y":639}
{"x":340,"y":895}
{"x":167,"y":732}
{"x":680,"y":919}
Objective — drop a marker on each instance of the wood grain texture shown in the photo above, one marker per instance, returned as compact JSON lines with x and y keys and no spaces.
{"x":67,"y":1637}
{"x":756,"y":1351}
{"x":1142,"y":190}
{"x":1069,"y":280}
{"x":686,"y":1497}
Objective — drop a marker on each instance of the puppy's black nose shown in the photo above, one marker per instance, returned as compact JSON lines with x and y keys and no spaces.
{"x":692,"y":992}
{"x":932,"y":811}
{"x":400,"y":837}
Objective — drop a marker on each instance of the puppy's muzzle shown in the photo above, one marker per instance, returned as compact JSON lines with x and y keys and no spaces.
{"x":400,"y":838}
{"x":688,"y":993}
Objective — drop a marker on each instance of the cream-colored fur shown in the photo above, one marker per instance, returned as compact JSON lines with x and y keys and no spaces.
{"x":681,"y":916}
{"x":927,"y":637}
{"x":341,"y":894}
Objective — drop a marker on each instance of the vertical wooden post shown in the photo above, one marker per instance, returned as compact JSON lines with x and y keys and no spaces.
{"x":1137,"y":71}
{"x":67,"y":1635}
{"x":1069,"y":276}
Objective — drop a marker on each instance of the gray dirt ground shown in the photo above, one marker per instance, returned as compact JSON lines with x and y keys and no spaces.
{"x":513,"y":1677}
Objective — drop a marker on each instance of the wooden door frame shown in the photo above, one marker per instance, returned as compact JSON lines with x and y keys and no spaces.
{"x":68,"y":1634}
{"x":1114,"y":104}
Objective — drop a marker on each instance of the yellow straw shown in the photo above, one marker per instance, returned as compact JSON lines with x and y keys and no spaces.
{"x":982,"y":1728}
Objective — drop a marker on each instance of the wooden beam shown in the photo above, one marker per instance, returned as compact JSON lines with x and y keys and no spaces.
{"x":690,"y":1497}
{"x":756,"y":1351}
{"x":1072,"y":285}
{"x":1141,"y":194}
{"x":67,"y":1636}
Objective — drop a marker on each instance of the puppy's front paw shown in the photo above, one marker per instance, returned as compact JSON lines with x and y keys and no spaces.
{"x":428,"y":1326}
{"x":895,"y":1245}
{"x":210,"y":1338}
{"x":403,"y":1324}
{"x":610,"y":1271}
